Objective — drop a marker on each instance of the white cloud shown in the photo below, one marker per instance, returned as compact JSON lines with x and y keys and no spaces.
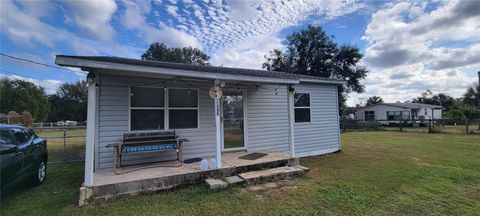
{"x":94,"y":16}
{"x":37,"y":8}
{"x":250,"y":57}
{"x":23,"y":29}
{"x":234,"y":32}
{"x":412,"y":48}
{"x":134,"y":19}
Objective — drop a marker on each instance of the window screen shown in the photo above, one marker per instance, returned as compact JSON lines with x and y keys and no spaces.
{"x":302,"y":107}
{"x":143,"y":119}
{"x":182,"y":108}
{"x":147,"y":108}
{"x":147,"y":97}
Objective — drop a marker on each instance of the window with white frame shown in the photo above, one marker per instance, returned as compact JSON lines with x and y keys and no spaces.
{"x":149,"y":108}
{"x":182,"y":108}
{"x":302,"y":107}
{"x":394,"y":115}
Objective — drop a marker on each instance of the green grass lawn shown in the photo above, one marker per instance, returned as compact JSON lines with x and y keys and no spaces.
{"x":448,"y":129}
{"x":378,"y":173}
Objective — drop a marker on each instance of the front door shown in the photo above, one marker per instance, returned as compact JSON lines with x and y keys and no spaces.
{"x":233,"y":120}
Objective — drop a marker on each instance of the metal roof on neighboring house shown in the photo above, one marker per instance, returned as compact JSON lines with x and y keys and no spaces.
{"x":408,"y":105}
{"x":95,"y":62}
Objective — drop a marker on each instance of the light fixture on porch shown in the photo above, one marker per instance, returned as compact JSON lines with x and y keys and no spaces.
{"x":291,"y":89}
{"x":91,"y":78}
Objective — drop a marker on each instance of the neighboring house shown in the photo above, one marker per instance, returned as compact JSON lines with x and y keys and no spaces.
{"x":393,"y":112}
{"x":259,"y":110}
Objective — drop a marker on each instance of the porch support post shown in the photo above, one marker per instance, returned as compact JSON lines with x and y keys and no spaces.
{"x":90,"y":140}
{"x":291,"y":120}
{"x":218,"y":123}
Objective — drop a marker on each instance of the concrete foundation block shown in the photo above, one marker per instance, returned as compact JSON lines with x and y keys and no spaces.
{"x":216,"y":183}
{"x":234,"y":180}
{"x":86,"y":196}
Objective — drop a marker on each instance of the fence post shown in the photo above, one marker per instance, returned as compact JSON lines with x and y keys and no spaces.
{"x":401,"y":124}
{"x":466,"y":126}
{"x":64,"y":144}
{"x":429,"y":125}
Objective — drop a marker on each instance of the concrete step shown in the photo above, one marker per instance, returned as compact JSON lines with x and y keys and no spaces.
{"x":284,"y":172}
{"x":234,"y":180}
{"x":223,"y":183}
{"x":216,"y":183}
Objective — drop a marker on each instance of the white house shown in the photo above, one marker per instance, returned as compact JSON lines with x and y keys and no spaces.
{"x":393,"y":112}
{"x":218,"y":109}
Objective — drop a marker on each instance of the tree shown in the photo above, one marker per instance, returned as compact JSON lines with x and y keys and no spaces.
{"x":18,"y":95}
{"x":455,"y":115}
{"x":69,"y":102}
{"x":160,"y":52}
{"x":374,"y":100}
{"x":440,"y":99}
{"x":312,"y":52}
{"x":471,"y":102}
{"x":472,"y":97}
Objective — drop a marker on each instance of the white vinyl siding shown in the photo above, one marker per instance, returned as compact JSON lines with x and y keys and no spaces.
{"x":267,"y":118}
{"x":321,"y":134}
{"x":113,"y":119}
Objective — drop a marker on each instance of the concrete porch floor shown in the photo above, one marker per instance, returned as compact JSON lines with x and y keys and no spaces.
{"x":229,"y":160}
{"x":107,"y":185}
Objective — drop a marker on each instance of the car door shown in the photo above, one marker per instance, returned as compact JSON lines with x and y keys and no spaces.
{"x":21,"y":141}
{"x":29,"y":163}
{"x":10,"y":158}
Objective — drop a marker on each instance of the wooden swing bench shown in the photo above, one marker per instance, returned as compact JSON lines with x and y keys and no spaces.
{"x":147,"y":142}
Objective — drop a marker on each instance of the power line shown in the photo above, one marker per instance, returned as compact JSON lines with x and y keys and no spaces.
{"x":38,"y":63}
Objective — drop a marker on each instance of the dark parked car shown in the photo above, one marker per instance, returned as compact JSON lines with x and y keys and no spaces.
{"x":23,"y":157}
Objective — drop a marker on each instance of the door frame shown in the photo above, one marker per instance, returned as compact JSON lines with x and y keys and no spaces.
{"x":245,"y":131}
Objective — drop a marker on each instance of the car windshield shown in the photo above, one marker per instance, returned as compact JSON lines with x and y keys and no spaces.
{"x":5,"y":137}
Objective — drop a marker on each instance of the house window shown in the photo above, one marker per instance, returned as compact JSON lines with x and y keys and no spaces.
{"x":394,"y":115}
{"x":182,"y":108}
{"x":149,"y":110}
{"x":147,"y":107}
{"x":302,"y":107}
{"x":369,"y":115}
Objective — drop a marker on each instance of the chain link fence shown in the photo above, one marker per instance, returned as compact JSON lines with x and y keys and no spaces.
{"x":427,"y":126}
{"x":64,"y":143}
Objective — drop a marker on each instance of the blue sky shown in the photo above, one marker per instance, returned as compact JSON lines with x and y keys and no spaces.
{"x":407,"y":46}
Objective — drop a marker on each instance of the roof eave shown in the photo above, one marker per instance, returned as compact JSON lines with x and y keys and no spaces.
{"x":337,"y":82}
{"x":84,"y":63}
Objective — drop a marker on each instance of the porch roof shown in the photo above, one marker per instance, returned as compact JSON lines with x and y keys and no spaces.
{"x":136,"y":66}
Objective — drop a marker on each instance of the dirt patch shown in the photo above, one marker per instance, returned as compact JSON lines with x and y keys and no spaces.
{"x":417,"y":161}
